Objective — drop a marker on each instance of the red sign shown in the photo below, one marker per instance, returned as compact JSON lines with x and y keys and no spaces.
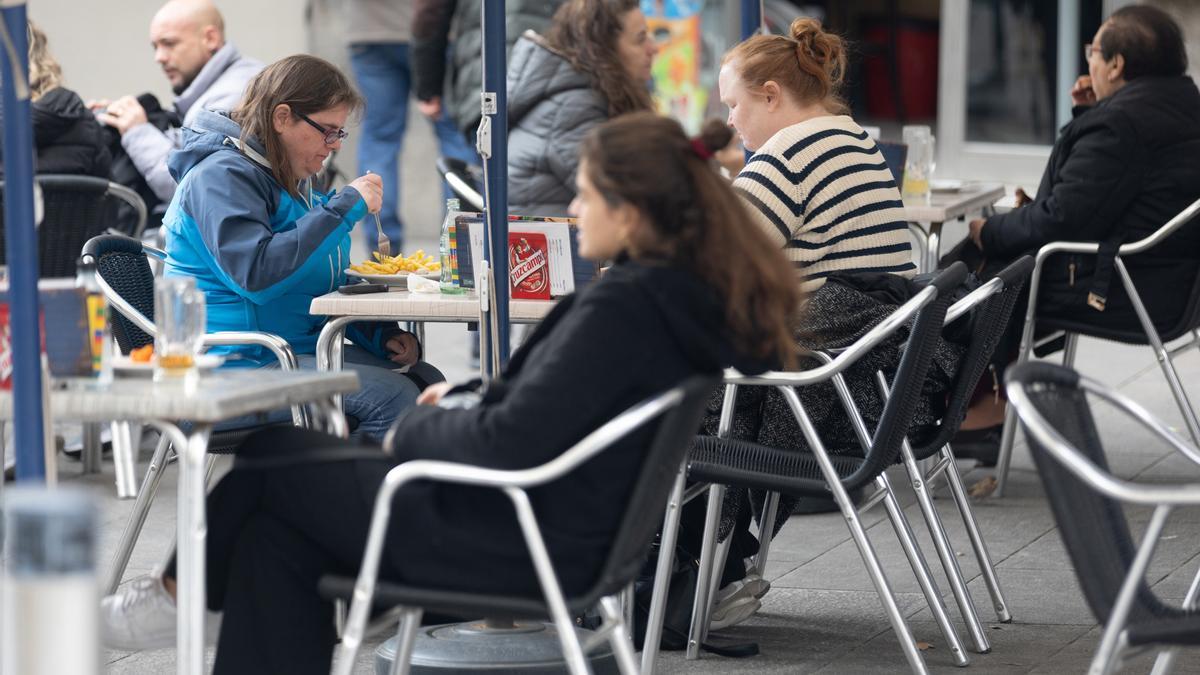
{"x":528,"y":265}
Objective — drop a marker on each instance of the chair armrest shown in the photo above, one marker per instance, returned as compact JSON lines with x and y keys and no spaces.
{"x":278,"y":346}
{"x":1134,"y":492}
{"x":846,"y":357}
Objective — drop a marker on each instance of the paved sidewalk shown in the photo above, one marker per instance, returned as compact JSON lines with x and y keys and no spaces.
{"x":822,"y":614}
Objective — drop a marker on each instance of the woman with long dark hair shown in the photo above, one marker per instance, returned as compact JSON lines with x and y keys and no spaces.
{"x":670,"y":307}
{"x":592,"y":64}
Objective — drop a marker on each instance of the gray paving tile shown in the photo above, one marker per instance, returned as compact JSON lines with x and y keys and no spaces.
{"x":1076,"y":656}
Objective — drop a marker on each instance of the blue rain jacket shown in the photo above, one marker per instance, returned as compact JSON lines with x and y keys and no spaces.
{"x":259,"y":254}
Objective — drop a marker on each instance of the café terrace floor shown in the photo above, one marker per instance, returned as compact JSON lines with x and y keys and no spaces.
{"x":822,"y":614}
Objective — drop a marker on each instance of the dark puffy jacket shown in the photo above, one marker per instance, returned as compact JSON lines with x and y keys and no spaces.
{"x":66,"y":136}
{"x":551,"y":107}
{"x":1119,"y":171}
{"x":437,"y":23}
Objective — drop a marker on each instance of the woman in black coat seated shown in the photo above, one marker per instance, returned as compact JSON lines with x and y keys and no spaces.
{"x":67,"y":138}
{"x":1126,"y":164}
{"x":672,"y":305}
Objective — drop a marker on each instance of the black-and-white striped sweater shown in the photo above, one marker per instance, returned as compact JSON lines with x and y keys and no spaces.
{"x":822,"y":190}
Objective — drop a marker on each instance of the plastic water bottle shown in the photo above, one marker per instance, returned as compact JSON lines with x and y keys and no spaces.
{"x":449,"y":282}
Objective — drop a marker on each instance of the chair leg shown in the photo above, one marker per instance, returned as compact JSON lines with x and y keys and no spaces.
{"x":941,"y":543}
{"x":766,"y":528}
{"x":126,"y":437}
{"x":137,"y":519}
{"x":628,"y":601}
{"x":702,"y":605}
{"x":986,"y":566}
{"x":622,"y":645}
{"x":93,"y":448}
{"x":882,"y":588}
{"x":662,"y":575}
{"x":1165,"y":662}
{"x":920,"y":568}
{"x":406,"y":637}
{"x":1070,"y":349}
{"x":1163,"y":356}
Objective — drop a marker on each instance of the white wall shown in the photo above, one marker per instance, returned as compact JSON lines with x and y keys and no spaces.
{"x":104,"y":47}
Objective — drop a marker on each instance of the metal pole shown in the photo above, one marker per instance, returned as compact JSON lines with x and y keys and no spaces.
{"x":21,"y":240}
{"x":495,"y":105}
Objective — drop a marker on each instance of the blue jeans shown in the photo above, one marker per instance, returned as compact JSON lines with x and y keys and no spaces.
{"x":383,"y":75}
{"x":382,"y":395}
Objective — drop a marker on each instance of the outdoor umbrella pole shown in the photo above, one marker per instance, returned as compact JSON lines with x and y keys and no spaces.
{"x":21,"y":241}
{"x":493,"y":147}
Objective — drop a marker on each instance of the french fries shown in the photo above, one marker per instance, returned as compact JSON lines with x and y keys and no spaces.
{"x":419,"y":262}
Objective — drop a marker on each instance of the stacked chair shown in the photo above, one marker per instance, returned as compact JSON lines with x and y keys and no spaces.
{"x":723,"y":461}
{"x":1087,"y":500}
{"x":677,"y":413}
{"x":124,"y":275}
{"x":1188,"y":322}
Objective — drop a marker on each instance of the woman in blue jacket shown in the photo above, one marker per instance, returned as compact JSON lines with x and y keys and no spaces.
{"x":246,"y":222}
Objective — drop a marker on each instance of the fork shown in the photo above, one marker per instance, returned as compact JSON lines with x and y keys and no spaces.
{"x":382,"y":243}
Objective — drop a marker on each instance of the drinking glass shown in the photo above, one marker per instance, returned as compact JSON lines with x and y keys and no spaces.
{"x":918,"y":166}
{"x":179,"y":318}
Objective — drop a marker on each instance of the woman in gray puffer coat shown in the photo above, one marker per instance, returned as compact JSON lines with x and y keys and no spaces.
{"x":592,"y":64}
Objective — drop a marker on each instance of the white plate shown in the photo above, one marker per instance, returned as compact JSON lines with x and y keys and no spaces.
{"x":398,"y":280}
{"x":127,"y":367}
{"x":945,"y":185}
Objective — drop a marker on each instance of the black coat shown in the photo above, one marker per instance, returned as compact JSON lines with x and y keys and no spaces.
{"x":636,"y":332}
{"x":67,"y":138}
{"x":1119,"y":171}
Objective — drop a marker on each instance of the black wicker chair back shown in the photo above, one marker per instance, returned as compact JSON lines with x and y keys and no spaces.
{"x":991,"y":320}
{"x":122,"y":263}
{"x":1094,"y":527}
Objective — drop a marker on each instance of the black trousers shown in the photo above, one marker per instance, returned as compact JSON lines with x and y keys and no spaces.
{"x":272,"y":533}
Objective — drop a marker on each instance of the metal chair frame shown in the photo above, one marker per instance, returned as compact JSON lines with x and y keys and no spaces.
{"x":1162,"y":354}
{"x":449,"y":168}
{"x":1164,"y":498}
{"x":126,"y":434}
{"x":515,"y":484}
{"x":831,"y":368}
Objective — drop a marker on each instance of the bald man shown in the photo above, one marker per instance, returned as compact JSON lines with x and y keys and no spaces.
{"x":205,"y":72}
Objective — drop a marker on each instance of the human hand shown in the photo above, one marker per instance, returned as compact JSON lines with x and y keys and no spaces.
{"x":1023,"y":198}
{"x":403,"y":349}
{"x":123,"y":114}
{"x":1082,"y":93}
{"x":977,"y":231}
{"x":433,"y":393}
{"x":431,"y":108}
{"x":97,"y":105}
{"x":370,"y":187}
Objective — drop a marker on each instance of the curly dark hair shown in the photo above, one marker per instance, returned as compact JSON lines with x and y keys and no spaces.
{"x":586,"y":33}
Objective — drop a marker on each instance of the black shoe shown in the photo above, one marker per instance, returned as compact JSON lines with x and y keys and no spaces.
{"x":982,"y":445}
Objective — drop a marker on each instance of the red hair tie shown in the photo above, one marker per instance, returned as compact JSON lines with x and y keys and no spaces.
{"x":701,"y":149}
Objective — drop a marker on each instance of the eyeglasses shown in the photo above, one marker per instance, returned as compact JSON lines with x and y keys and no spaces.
{"x":332,"y":135}
{"x":1088,"y":50}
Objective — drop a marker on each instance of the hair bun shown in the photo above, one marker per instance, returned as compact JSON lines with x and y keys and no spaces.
{"x":818,"y":50}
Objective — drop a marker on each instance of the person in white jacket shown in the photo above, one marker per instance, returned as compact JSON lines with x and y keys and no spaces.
{"x":205,"y":72}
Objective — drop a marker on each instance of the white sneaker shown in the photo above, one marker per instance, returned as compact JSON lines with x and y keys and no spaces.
{"x":735,"y":603}
{"x":142,"y":616}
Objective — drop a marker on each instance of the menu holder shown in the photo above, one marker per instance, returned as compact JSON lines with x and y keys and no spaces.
{"x":566,"y":270}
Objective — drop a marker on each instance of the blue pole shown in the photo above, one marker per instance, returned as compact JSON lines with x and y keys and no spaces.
{"x":494,"y":80}
{"x":751,"y":17}
{"x":21,"y":239}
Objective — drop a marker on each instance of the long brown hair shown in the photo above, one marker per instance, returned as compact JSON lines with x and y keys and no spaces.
{"x":307,"y":85}
{"x":586,"y":33}
{"x":44,"y":72}
{"x":698,"y":222}
{"x":809,"y":64}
